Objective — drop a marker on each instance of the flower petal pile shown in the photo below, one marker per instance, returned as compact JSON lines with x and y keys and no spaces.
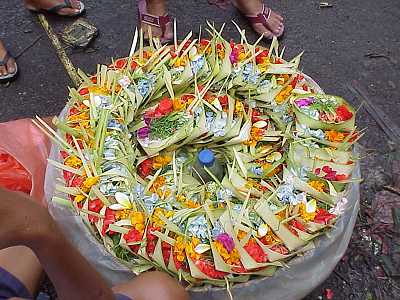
{"x":130,"y":139}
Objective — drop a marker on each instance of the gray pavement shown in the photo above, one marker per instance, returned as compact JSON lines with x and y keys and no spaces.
{"x":353,"y":40}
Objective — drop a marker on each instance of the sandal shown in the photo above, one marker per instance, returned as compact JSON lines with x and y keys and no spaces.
{"x":3,"y":63}
{"x":55,"y":9}
{"x":262,"y":18}
{"x":156,"y":21}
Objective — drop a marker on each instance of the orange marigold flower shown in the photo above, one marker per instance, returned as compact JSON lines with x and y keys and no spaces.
{"x":335,"y":136}
{"x":317,"y":185}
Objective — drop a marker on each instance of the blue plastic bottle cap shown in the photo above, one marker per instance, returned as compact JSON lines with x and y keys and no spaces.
{"x":206,"y":157}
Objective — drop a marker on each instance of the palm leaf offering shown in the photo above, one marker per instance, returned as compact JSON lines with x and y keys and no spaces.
{"x":132,"y":139}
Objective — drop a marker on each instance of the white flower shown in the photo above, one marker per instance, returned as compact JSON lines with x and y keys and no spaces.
{"x":124,"y":202}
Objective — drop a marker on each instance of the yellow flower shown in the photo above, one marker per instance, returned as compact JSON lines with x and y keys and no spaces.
{"x":161,"y":161}
{"x":157,"y":184}
{"x":241,"y":56}
{"x":238,"y":107}
{"x":122,"y":214}
{"x":99,"y":90}
{"x":88,"y":183}
{"x":306,"y":216}
{"x":256,"y":135}
{"x":281,"y":97}
{"x":232,"y":258}
{"x":155,"y":218}
{"x":79,"y":198}
{"x":180,"y":61}
{"x":137,"y":220}
{"x":191,"y":204}
{"x":241,"y":235}
{"x":270,"y":238}
{"x":79,"y":117}
{"x":334,"y":136}
{"x":317,"y":185}
{"x":179,"y":248}
{"x":73,"y":162}
{"x":263,"y":66}
{"x":189,"y":248}
{"x":281,"y":215}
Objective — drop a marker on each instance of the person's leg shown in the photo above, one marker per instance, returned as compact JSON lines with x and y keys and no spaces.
{"x":46,"y":4}
{"x":10,"y":66}
{"x":22,"y":264}
{"x":254,"y":7}
{"x":156,"y":8}
{"x":152,"y":285}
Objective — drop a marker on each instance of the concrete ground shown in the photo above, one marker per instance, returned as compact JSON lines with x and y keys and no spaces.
{"x":352,"y":40}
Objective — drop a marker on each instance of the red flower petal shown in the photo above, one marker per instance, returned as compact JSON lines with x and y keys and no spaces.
{"x":165,"y":106}
{"x":84,"y":91}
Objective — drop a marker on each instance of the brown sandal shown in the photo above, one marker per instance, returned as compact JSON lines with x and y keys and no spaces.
{"x":156,"y":21}
{"x":262,"y":18}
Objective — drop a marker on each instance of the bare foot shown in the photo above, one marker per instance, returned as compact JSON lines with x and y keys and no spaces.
{"x":10,"y":66}
{"x":157,"y":8}
{"x":254,"y":7}
{"x":47,"y":4}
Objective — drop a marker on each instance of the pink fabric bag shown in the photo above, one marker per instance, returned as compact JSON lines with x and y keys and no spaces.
{"x":23,"y":144}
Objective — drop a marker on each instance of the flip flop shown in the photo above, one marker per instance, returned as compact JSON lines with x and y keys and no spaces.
{"x":55,"y":9}
{"x":11,"y":76}
{"x":155,"y":21}
{"x":262,"y":18}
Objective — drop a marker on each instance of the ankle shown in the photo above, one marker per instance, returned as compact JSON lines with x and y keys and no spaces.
{"x":156,"y":7}
{"x":249,"y":7}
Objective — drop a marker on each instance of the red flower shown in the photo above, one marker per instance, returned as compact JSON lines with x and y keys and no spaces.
{"x":64,"y":154}
{"x":340,"y":177}
{"x":255,"y":251}
{"x":84,"y":91}
{"x":165,"y":106}
{"x":343,"y":114}
{"x":323,"y":216}
{"x":298,"y":225}
{"x":208,"y":268}
{"x":108,"y":219}
{"x":187,"y":44}
{"x":280,"y":249}
{"x":223,"y":100}
{"x":151,"y":240}
{"x":180,"y":264}
{"x":255,"y":115}
{"x":260,"y":57}
{"x":239,"y":268}
{"x":94,"y":205}
{"x":187,"y":98}
{"x":133,"y":65}
{"x":76,"y":181}
{"x":232,"y":43}
{"x":120,"y":63}
{"x":204,"y":42}
{"x":131,"y":237}
{"x":166,"y":252}
{"x":73,"y":111}
{"x":146,"y":168}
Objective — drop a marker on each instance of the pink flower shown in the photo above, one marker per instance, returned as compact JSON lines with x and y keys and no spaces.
{"x":143,"y":132}
{"x":304,"y":102}
{"x":227,"y":241}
